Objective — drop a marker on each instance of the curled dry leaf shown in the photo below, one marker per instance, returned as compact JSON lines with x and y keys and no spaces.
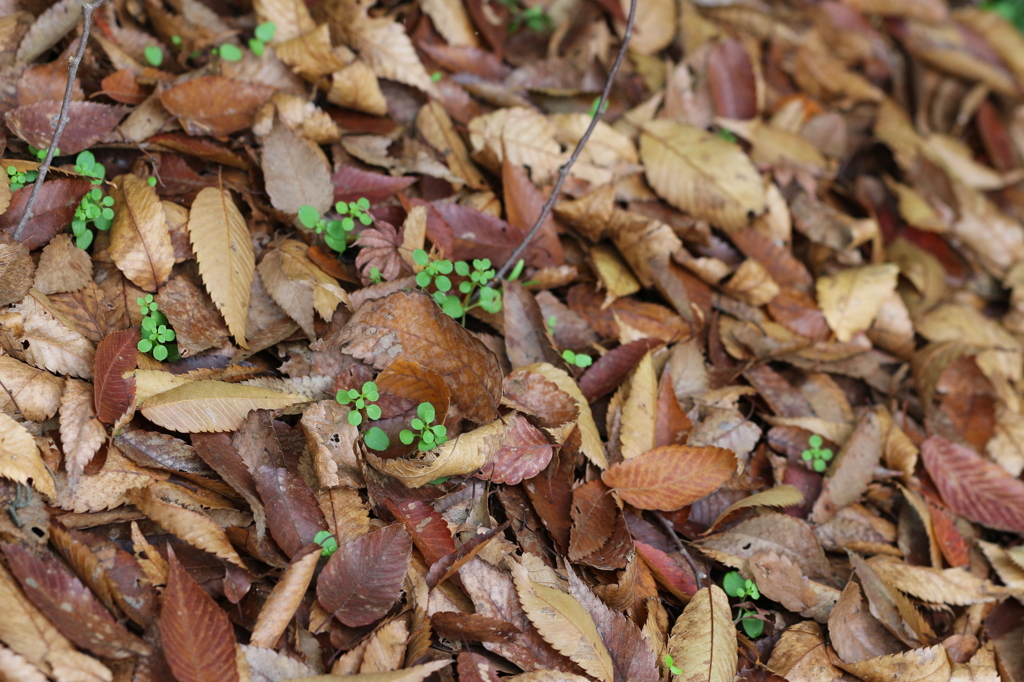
{"x":779,"y":496}
{"x":139,"y":241}
{"x":63,"y":267}
{"x":284,"y":599}
{"x":671,"y":477}
{"x":17,"y":269}
{"x":524,"y":454}
{"x":220,"y":240}
{"x":48,"y":340}
{"x":703,"y":652}
{"x":33,"y":392}
{"x":81,"y":433}
{"x":591,"y":440}
{"x":851,"y":299}
{"x":293,"y":280}
{"x":20,"y":459}
{"x":917,"y":665}
{"x":208,"y":406}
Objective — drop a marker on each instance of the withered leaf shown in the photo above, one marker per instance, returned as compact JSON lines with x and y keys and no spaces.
{"x":33,"y":392}
{"x":295,"y":173}
{"x":139,"y":241}
{"x":671,"y":477}
{"x":81,"y":433}
{"x":16,"y":270}
{"x":88,"y":123}
{"x":54,"y":208}
{"x":215,"y":105}
{"x":704,"y":653}
{"x":112,"y":392}
{"x":524,"y":454}
{"x":293,"y":516}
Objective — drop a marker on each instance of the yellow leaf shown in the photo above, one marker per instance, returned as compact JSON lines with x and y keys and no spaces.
{"x":20,"y":459}
{"x":703,"y":640}
{"x":209,"y":406}
{"x":701,"y":174}
{"x":779,"y":496}
{"x":220,"y":240}
{"x":149,"y":382}
{"x":640,"y":411}
{"x":615,"y":276}
{"x":81,"y":433}
{"x":563,"y":622}
{"x":451,"y":21}
{"x":194,"y":528}
{"x":140,"y":244}
{"x":592,"y":446}
{"x":851,"y":299}
{"x":459,"y":456}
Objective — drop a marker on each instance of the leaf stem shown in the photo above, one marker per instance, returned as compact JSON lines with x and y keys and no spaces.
{"x":63,"y":119}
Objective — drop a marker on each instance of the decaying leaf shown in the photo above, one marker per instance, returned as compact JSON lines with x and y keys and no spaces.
{"x":703,"y":640}
{"x":207,"y":406}
{"x":670,"y":477}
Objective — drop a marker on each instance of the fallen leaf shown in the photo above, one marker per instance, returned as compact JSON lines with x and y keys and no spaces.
{"x":81,"y":433}
{"x":115,"y":356}
{"x":851,"y":299}
{"x":284,"y":599}
{"x":704,"y":653}
{"x":139,"y":241}
{"x":295,"y":173}
{"x":33,"y":392}
{"x":49,"y":341}
{"x":192,"y":527}
{"x":671,"y":477}
{"x":215,"y":105}
{"x":63,"y":267}
{"x":207,"y":406}
{"x":20,"y":460}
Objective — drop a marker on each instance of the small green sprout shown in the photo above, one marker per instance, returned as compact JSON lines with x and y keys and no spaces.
{"x":436,"y":76}
{"x":157,"y":338}
{"x":230,"y":53}
{"x":327,"y":542}
{"x":594,"y":105}
{"x":727,"y":135}
{"x":818,"y":456}
{"x":19,"y":179}
{"x":439,"y":481}
{"x":376,"y":439}
{"x":96,"y":209}
{"x":517,"y":270}
{"x":176,"y":41}
{"x":375,"y":276}
{"x":151,"y":181}
{"x":154,"y":55}
{"x":336,"y":232}
{"x":672,"y":667}
{"x":735,"y":585}
{"x":361,"y":400}
{"x":264,"y":34}
{"x":436,"y":272}
{"x":581,"y":360}
{"x":41,"y":153}
{"x":86,"y":164}
{"x":429,"y":436}
{"x":533,"y":18}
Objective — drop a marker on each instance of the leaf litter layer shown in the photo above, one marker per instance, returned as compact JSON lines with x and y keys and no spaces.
{"x":748,"y":408}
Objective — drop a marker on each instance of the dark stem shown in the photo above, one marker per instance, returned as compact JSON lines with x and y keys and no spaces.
{"x":698,"y":574}
{"x":63,"y":119}
{"x":563,"y":173}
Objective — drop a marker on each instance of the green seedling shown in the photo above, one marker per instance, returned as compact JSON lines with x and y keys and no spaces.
{"x":151,"y":181}
{"x":95,"y":209}
{"x":229,"y":52}
{"x":517,"y":270}
{"x":581,"y":360}
{"x":337,"y":232}
{"x":176,"y":41}
{"x":154,"y":55}
{"x":533,"y":18}
{"x":41,"y":153}
{"x":157,"y":338}
{"x":436,"y":76}
{"x":264,"y":33}
{"x":376,"y":439}
{"x":361,"y":401}
{"x":439,"y":481}
{"x":429,"y":436}
{"x":375,"y":276}
{"x":727,"y":135}
{"x":818,"y":457}
{"x":670,"y":664}
{"x":1011,"y":10}
{"x":86,"y":164}
{"x":327,"y":542}
{"x":435,"y":272}
{"x":594,"y":105}
{"x":19,"y":179}
{"x":735,"y":585}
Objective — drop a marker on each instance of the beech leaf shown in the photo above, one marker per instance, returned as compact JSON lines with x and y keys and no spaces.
{"x":208,"y":406}
{"x":671,"y":477}
{"x":112,"y":392}
{"x":703,"y":640}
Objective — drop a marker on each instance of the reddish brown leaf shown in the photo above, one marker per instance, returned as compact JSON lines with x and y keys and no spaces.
{"x":538,"y":397}
{"x":669,"y":570}
{"x":550,"y":494}
{"x":672,"y":424}
{"x":526,"y":336}
{"x":413,"y":383}
{"x":949,"y":539}
{"x":215,"y":105}
{"x":523,"y":202}
{"x":475,"y":668}
{"x":449,"y":564}
{"x":122,"y":87}
{"x":88,"y":123}
{"x":615,"y":553}
{"x":112,"y":392}
{"x":352,"y":183}
{"x":53,"y":211}
{"x":71,"y":605}
{"x":159,"y":450}
{"x":472,"y":627}
{"x":593,"y":519}
{"x":731,"y":79}
{"x":197,"y":637}
{"x":671,"y":477}
{"x":429,"y":530}
{"x":974,"y":487}
{"x":473,"y":234}
{"x":608,"y":373}
{"x":364,"y":578}
{"x":523,"y":455}
{"x":293,"y":515}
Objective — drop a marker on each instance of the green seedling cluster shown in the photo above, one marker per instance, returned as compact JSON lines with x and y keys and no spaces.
{"x":19,"y":179}
{"x":154,"y":55}
{"x":533,"y":18}
{"x":435,"y":272}
{"x":671,"y":666}
{"x":41,"y":153}
{"x":1011,"y":10}
{"x":735,"y":585}
{"x":157,"y":338}
{"x":375,"y":276}
{"x":96,"y":209}
{"x":818,"y":457}
{"x":581,"y":360}
{"x":427,"y":437}
{"x":328,"y":543}
{"x":263,"y":34}
{"x":336,"y":232}
{"x":361,"y":401}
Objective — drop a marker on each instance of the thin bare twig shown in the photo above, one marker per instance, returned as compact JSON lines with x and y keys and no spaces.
{"x":63,"y":119}
{"x":563,"y":173}
{"x":698,"y":574}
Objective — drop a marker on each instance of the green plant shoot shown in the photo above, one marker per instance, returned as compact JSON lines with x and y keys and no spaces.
{"x":361,"y":401}
{"x":818,"y":457}
{"x":327,"y":542}
{"x":429,"y":436}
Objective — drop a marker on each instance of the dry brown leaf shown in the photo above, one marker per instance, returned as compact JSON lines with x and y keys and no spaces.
{"x":33,"y":392}
{"x":703,"y":639}
{"x":20,"y":459}
{"x":385,"y":46}
{"x":291,"y":17}
{"x":851,"y":299}
{"x":935,"y":585}
{"x":139,"y":241}
{"x":452,"y":22}
{"x":916,"y":665}
{"x":293,"y":280}
{"x":279,"y":608}
{"x":16,"y":270}
{"x":63,"y":267}
{"x":81,"y":433}
{"x":438,"y":130}
{"x":209,"y":406}
{"x":801,"y":654}
{"x":779,"y":496}
{"x":310,"y":55}
{"x":640,"y":413}
{"x":355,"y":86}
{"x":194,"y":528}
{"x":592,"y":447}
{"x":525,"y":136}
{"x":295,"y":172}
{"x":564,"y":623}
{"x":49,"y":340}
{"x":701,"y":174}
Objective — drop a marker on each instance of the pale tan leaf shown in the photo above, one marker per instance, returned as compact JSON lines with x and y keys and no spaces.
{"x":14,"y":666}
{"x":291,"y":17}
{"x":779,"y":496}
{"x":63,"y":267}
{"x":108,"y":487}
{"x":564,"y":623}
{"x":139,"y":241}
{"x":385,"y":46}
{"x":592,"y":446}
{"x":266,"y":665}
{"x":33,"y":392}
{"x":640,"y":411}
{"x":851,"y":299}
{"x":355,"y":86}
{"x":655,"y":25}
{"x":52,"y":341}
{"x":279,"y":608}
{"x":220,"y":240}
{"x":701,"y":174}
{"x":801,"y":655}
{"x":81,"y":433}
{"x":1003,"y":357}
{"x":916,"y":665}
{"x":209,"y":406}
{"x":416,"y":673}
{"x":290,"y":278}
{"x":615,"y":277}
{"x":774,"y":146}
{"x":853,"y":468}
{"x":348,"y":517}
{"x":194,"y":528}
{"x":295,"y":172}
{"x":457,"y":457}
{"x":438,"y":130}
{"x":781,"y":580}
{"x":452,"y":22}
{"x":954,"y":586}
{"x":310,"y":55}
{"x":547,"y":676}
{"x":49,"y":28}
{"x":149,"y":382}
{"x":332,"y":444}
{"x":20,"y":459}
{"x":16,"y":270}
{"x":525,"y":136}
{"x":703,"y":639}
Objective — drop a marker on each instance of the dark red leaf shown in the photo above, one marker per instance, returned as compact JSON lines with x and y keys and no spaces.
{"x":523,"y":455}
{"x":215,"y":105}
{"x":88,"y":123}
{"x":731,"y":79}
{"x":523,"y":202}
{"x":551,"y":496}
{"x":351,"y":183}
{"x":608,"y":373}
{"x":364,"y":578}
{"x":669,"y":570}
{"x":53,"y":211}
{"x":449,"y":564}
{"x":113,"y":393}
{"x":293,"y":515}
{"x":197,"y":637}
{"x":428,"y":529}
